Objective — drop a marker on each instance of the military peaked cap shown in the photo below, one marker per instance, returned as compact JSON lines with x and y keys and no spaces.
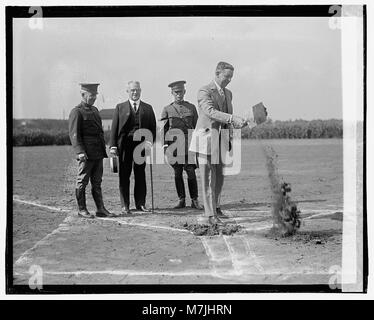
{"x":89,"y":87}
{"x":177,"y":84}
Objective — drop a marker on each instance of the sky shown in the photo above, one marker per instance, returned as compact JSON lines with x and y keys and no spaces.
{"x":292,"y":65}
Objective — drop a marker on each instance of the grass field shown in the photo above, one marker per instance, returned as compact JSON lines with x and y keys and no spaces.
{"x":313,"y":167}
{"x":154,"y":248}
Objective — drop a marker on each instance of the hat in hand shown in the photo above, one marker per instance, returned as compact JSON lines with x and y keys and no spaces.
{"x":259,"y":113}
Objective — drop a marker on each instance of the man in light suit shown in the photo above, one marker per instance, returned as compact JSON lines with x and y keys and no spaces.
{"x":215,"y":114}
{"x":128,"y":117}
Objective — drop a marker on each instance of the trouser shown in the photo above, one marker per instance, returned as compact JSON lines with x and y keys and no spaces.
{"x":191,"y":180}
{"x":212,"y":182}
{"x":90,"y":170}
{"x":126,"y":165}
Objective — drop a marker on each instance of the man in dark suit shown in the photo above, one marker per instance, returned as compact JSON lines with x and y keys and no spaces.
{"x":128,"y":118}
{"x":87,"y":138}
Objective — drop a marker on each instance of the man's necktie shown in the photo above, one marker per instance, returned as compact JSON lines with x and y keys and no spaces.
{"x":135,"y":106}
{"x":222,"y":93}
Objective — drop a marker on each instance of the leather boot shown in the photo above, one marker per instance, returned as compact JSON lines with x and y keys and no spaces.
{"x":81,"y":200}
{"x":101,"y":210}
{"x":220,"y":214}
{"x":181,"y":204}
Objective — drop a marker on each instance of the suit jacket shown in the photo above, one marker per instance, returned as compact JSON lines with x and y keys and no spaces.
{"x":205,"y":138}
{"x":120,"y":123}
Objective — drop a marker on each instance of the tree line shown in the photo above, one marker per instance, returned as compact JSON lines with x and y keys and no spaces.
{"x":40,"y":132}
{"x":295,"y":129}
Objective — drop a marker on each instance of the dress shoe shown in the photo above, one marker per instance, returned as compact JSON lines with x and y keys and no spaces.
{"x":203,"y":220}
{"x":85,"y":214}
{"x":215,"y":220}
{"x":209,"y":220}
{"x":220,"y":214}
{"x":142,"y":208}
{"x":126,"y":210}
{"x":104,"y":213}
{"x":181,"y":204}
{"x":196,"y":205}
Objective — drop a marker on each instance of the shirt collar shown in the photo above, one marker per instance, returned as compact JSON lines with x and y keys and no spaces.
{"x":217,"y":85}
{"x":137,"y":103}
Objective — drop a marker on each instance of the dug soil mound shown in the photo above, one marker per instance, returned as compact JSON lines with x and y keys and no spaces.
{"x":306,"y":237}
{"x":212,"y":230}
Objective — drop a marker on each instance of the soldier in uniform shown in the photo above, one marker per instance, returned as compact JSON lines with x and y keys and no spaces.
{"x":87,"y":138}
{"x":182,"y":115}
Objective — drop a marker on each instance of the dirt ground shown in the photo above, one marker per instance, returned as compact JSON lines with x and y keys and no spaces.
{"x":156,"y":248}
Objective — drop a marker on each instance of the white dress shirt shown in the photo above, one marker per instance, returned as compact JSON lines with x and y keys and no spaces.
{"x":222,"y":93}
{"x":137,"y":104}
{"x":220,"y":90}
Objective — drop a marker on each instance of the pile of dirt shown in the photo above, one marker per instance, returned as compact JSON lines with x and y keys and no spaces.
{"x":212,"y":230}
{"x":286,"y":216}
{"x":305,"y":237}
{"x":315,"y":237}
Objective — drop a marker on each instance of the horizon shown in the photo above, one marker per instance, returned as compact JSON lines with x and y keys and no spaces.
{"x":269,"y":118}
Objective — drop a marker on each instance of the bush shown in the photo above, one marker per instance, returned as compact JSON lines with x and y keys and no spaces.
{"x":297,"y":129}
{"x":29,"y":135}
{"x":36,"y":137}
